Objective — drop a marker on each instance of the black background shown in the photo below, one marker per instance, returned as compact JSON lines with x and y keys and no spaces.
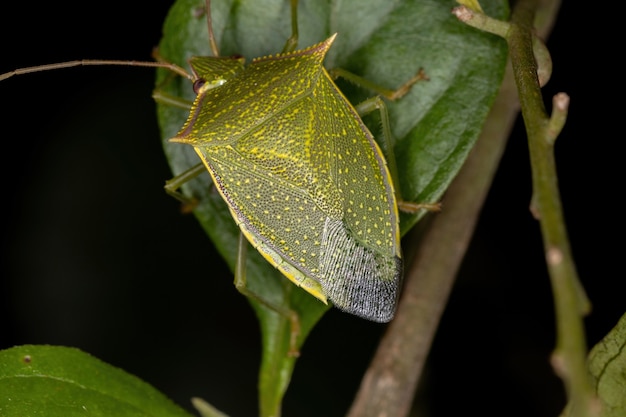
{"x":95,"y":255}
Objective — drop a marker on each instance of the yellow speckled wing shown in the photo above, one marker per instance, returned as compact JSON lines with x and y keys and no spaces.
{"x":304,"y":179}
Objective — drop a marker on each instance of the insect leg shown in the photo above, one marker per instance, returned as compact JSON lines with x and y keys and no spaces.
{"x":172,"y":185}
{"x":170,"y":100}
{"x":388,"y":93}
{"x":240,"y":284}
{"x":292,"y":42}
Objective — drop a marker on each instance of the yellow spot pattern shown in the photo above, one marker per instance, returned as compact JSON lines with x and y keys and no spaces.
{"x":303,"y":178}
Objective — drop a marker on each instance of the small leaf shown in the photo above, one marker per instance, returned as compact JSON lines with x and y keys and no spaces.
{"x":60,"y":381}
{"x":607,"y":365}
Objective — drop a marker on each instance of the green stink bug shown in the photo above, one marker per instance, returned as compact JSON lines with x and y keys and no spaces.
{"x":325,"y":212}
{"x":302,"y":175}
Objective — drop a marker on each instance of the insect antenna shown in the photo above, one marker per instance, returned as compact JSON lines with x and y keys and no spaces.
{"x":87,"y":62}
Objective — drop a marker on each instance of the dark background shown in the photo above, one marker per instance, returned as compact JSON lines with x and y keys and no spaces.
{"x":95,"y":254}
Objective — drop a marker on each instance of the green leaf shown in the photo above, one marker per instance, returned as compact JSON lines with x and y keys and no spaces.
{"x":607,"y":365}
{"x":385,"y":41}
{"x":60,"y":381}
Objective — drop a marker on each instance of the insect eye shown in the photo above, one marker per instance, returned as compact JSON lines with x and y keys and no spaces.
{"x":197,"y":85}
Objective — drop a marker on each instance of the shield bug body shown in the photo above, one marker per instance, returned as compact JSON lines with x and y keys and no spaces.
{"x":303,"y":177}
{"x":301,"y":174}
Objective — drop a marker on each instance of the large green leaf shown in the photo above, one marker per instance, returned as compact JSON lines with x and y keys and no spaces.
{"x":59,"y":381}
{"x":385,"y":41}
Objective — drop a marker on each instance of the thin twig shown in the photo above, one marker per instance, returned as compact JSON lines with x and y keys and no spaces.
{"x":569,"y":356}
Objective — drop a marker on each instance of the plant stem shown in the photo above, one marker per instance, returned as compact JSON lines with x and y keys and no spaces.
{"x":569,"y":356}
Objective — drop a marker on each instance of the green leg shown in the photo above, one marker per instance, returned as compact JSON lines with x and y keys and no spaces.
{"x":385,"y":92}
{"x":292,"y":42}
{"x":172,"y":186}
{"x":240,"y":284}
{"x":169,"y":100}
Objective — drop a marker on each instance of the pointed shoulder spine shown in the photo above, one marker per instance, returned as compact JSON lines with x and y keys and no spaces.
{"x":319,"y":49}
